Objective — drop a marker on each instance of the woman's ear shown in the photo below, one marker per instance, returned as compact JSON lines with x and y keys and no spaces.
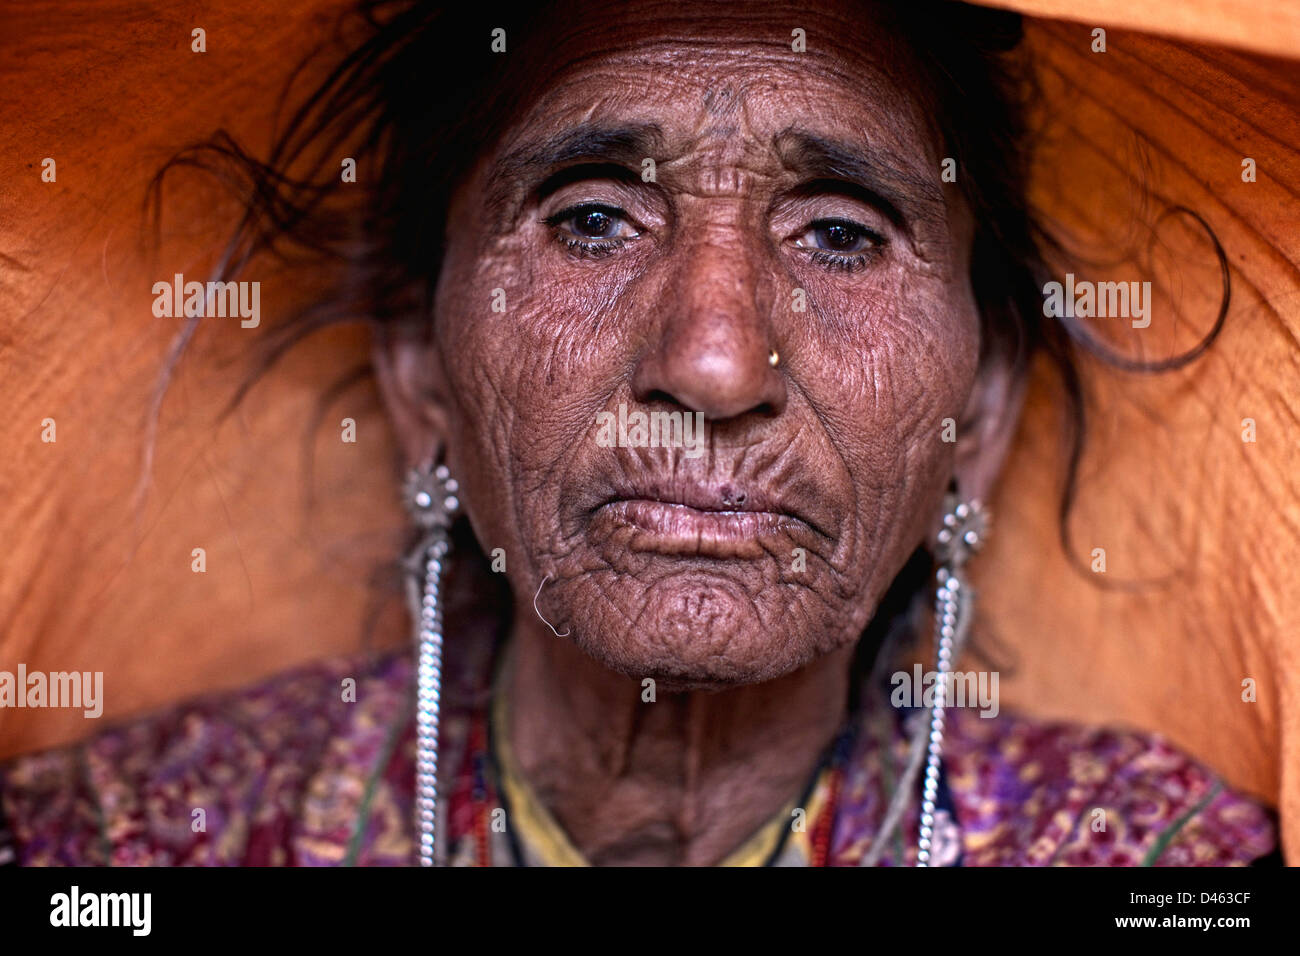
{"x":408,"y":369}
{"x":988,"y":425}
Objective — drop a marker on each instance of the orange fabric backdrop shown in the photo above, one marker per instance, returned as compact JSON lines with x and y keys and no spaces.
{"x":1169,"y":488}
{"x":94,"y":578}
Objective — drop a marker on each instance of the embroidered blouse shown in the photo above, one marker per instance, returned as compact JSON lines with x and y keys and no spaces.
{"x":298,"y":771}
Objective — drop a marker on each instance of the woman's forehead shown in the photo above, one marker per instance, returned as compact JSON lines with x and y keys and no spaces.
{"x":743,"y":90}
{"x":709,"y":63}
{"x":828,"y":26}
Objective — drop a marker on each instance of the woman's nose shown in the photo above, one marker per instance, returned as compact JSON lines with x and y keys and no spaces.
{"x":713,"y":352}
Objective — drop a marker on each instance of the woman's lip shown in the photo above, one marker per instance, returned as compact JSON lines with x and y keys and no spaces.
{"x":678,"y":529}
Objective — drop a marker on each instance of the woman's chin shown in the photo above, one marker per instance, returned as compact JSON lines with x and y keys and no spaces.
{"x":689,"y":630}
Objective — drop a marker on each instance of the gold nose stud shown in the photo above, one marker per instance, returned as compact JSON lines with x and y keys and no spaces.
{"x":773,"y":358}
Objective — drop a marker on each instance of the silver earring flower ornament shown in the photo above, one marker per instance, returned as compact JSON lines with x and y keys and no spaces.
{"x":965,"y":527}
{"x":430,"y":496}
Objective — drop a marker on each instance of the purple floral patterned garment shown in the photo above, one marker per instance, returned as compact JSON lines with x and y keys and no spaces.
{"x":290,"y":773}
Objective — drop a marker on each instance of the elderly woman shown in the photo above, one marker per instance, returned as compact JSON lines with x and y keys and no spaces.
{"x":703,"y":329}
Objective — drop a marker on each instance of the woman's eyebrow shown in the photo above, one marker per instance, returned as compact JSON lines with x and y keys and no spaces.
{"x":529,"y":163}
{"x":875,"y":171}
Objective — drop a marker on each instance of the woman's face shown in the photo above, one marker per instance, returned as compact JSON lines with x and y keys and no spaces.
{"x":795,"y":204}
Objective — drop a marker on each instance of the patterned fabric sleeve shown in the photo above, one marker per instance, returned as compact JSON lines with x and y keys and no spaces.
{"x":279,"y":774}
{"x":305,"y":770}
{"x":1051,"y":794}
{"x":50,"y":811}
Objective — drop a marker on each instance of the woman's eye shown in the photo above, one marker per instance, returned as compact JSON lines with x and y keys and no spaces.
{"x":839,"y":236}
{"x":591,"y":228}
{"x":595,"y":224}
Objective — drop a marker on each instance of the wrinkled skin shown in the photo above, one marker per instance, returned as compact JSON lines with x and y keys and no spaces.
{"x":690,"y":284}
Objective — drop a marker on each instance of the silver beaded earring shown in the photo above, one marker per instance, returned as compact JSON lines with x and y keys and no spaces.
{"x":965,"y":526}
{"x":430,"y":497}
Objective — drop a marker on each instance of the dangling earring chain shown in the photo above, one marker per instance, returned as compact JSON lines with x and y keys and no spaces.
{"x":964,"y":528}
{"x":432,"y":501}
{"x":947,"y":610}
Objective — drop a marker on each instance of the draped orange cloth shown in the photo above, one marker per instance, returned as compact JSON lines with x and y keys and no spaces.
{"x":1200,"y":528}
